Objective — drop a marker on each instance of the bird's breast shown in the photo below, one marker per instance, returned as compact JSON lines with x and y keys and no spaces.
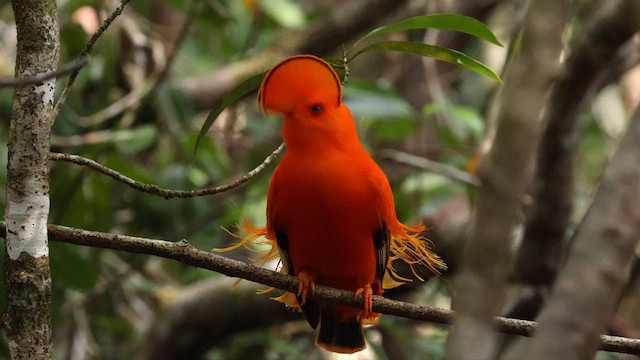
{"x":328,"y":211}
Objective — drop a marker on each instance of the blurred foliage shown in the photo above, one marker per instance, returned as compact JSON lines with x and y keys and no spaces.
{"x":104,"y":301}
{"x":453,"y":22}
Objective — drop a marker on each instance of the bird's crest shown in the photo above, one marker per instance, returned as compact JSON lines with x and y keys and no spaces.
{"x":297,"y":79}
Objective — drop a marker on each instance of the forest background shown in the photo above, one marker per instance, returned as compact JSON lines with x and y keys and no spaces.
{"x":529,"y":186}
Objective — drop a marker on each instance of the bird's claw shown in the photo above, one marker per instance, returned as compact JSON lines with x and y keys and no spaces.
{"x":306,"y":282}
{"x":367,"y":297}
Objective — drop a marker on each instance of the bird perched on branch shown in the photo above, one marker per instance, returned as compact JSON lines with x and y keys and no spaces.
{"x":330,"y":210}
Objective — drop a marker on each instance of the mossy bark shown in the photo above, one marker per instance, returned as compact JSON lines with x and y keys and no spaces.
{"x":27,"y":319}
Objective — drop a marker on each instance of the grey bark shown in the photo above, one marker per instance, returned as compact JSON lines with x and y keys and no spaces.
{"x":587,"y":289}
{"x":505,"y":174}
{"x":27,"y":321}
{"x":541,"y":252}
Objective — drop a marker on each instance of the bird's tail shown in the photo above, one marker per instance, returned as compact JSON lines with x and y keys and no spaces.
{"x":339,"y":335}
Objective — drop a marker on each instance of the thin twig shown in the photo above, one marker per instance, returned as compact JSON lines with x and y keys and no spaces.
{"x":345,"y":65}
{"x":166,"y":193}
{"x":89,"y":138}
{"x":140,"y":97}
{"x":430,"y":165}
{"x":86,"y":52}
{"x":62,"y":71}
{"x":442,"y":111}
{"x":112,"y":110}
{"x":187,"y":254}
{"x":162,"y":75}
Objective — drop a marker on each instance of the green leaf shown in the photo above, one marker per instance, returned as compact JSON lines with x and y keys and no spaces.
{"x":385,"y":115}
{"x":241,"y":90}
{"x":433,"y":51}
{"x":72,"y":268}
{"x":464,"y":123}
{"x":377,"y":105}
{"x":285,"y":12}
{"x":454,"y":22}
{"x":131,"y":141}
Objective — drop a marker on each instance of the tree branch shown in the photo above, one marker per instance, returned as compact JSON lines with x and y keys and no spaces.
{"x":185,"y":253}
{"x":140,"y":97}
{"x":33,"y":80}
{"x":159,"y":191}
{"x":159,"y":79}
{"x":430,"y":165}
{"x":541,"y":252}
{"x":188,"y":327}
{"x":86,"y":52}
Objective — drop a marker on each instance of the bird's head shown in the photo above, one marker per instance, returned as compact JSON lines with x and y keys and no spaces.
{"x":302,"y":84}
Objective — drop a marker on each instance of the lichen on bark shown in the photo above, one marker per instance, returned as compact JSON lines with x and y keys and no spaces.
{"x":27,"y":320}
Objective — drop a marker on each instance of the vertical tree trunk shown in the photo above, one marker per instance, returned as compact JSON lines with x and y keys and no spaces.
{"x":505,"y":174}
{"x":587,"y":289}
{"x":27,"y":321}
{"x":542,"y":250}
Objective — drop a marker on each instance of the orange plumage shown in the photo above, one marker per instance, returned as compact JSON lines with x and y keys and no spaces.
{"x":330,"y":209}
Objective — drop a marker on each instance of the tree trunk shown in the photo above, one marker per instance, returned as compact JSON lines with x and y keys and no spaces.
{"x":27,"y":321}
{"x":587,"y":289}
{"x":505,"y":174}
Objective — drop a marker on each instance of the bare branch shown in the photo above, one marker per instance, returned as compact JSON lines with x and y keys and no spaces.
{"x":62,"y":71}
{"x":86,"y":52}
{"x":345,"y":66}
{"x":140,"y":97}
{"x":430,"y":165}
{"x":185,"y":253}
{"x":166,"y":193}
{"x":88,"y":138}
{"x":164,"y":73}
{"x":188,"y":327}
{"x":112,"y":110}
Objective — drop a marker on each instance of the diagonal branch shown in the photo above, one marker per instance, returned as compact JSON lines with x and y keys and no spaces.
{"x":145,"y":98}
{"x":159,"y":191}
{"x":141,"y":96}
{"x":34,"y":80}
{"x":86,"y":52}
{"x":430,"y":165}
{"x":187,"y":254}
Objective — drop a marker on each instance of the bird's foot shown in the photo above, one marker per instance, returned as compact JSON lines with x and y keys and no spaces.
{"x":367,"y":297}
{"x":306,"y":283}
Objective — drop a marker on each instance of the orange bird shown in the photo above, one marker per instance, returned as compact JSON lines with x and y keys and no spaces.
{"x":330,"y":209}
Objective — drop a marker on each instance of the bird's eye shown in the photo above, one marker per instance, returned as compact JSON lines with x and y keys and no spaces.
{"x":316,"y":109}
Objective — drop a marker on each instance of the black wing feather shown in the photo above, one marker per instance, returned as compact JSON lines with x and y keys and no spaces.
{"x":382,"y":242}
{"x":311,"y":308}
